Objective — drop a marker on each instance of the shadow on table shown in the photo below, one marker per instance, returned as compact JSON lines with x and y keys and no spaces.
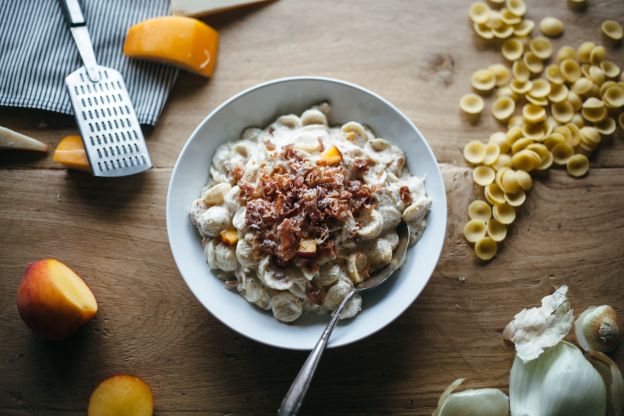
{"x":350,"y":380}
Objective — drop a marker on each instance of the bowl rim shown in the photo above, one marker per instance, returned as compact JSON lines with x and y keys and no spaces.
{"x":443,"y":204}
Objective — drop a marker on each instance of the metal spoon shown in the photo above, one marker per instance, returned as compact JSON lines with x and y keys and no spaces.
{"x":298,"y":389}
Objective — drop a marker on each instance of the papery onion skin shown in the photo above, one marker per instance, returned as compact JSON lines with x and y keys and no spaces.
{"x":560,"y":382}
{"x":482,"y":402}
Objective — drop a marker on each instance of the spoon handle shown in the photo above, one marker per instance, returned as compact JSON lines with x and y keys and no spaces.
{"x":298,"y":389}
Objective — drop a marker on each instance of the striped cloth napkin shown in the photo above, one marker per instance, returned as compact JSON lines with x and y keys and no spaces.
{"x":37,"y":52}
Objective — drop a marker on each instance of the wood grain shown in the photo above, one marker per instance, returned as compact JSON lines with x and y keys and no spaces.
{"x":420,"y":56}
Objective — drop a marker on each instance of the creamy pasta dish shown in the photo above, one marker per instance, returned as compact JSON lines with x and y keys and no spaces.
{"x":296,"y":214}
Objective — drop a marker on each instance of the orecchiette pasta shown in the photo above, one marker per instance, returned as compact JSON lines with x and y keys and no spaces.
{"x":564,"y":114}
{"x":296,"y":214}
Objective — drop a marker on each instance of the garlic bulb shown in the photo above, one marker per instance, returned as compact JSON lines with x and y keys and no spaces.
{"x":535,"y":329}
{"x":599,"y":328}
{"x":561,"y":382}
{"x":482,"y":402}
{"x":612,"y":377}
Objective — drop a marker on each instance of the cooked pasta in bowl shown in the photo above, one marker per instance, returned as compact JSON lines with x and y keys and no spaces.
{"x":299,"y":185}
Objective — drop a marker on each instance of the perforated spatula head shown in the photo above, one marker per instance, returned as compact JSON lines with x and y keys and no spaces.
{"x":108,"y":124}
{"x":109,"y":127}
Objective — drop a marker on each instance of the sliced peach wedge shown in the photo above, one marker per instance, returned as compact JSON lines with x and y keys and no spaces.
{"x":121,"y":395}
{"x":53,"y":300}
{"x":71,"y":153}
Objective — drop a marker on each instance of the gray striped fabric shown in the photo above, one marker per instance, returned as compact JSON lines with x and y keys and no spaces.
{"x":37,"y":52}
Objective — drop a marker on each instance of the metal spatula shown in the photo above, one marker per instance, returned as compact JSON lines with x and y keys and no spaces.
{"x":109,"y":127}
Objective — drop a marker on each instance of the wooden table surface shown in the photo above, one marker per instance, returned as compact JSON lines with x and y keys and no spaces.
{"x":417,"y":54}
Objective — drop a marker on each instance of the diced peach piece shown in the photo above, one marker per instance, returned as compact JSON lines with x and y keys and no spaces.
{"x":181,"y":41}
{"x":53,"y":300}
{"x":229,"y":237}
{"x":121,"y":395}
{"x":307,"y":248}
{"x":331,"y":156}
{"x":71,"y":153}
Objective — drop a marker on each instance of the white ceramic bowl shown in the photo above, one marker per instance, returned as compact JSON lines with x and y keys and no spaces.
{"x":259,"y":106}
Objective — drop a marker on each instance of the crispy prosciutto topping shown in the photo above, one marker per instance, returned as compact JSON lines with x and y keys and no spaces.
{"x":300,"y":200}
{"x":406,"y":195}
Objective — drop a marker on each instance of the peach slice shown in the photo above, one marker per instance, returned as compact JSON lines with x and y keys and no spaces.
{"x":53,"y":300}
{"x":307,"y":248}
{"x":229,"y":237}
{"x":71,"y":153}
{"x":121,"y":395}
{"x":331,"y":156}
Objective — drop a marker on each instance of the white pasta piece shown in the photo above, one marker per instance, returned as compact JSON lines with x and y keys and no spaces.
{"x":245,"y":254}
{"x":352,"y":308}
{"x":215,"y":194}
{"x":378,"y":252}
{"x":417,"y":211}
{"x":220,"y":158}
{"x":379,"y":145}
{"x":391,"y":216}
{"x":286,"y":307}
{"x":330,"y":274}
{"x":356,"y":128}
{"x":373,"y":227}
{"x":357,"y":267}
{"x":213,"y":220}
{"x":254,"y":292}
{"x":238,"y":221}
{"x":230,"y":199}
{"x":336,"y":294}
{"x":313,"y":116}
{"x":224,"y":257}
{"x":392,"y":237}
{"x":251,"y":134}
{"x":273,"y":277}
{"x":289,"y":120}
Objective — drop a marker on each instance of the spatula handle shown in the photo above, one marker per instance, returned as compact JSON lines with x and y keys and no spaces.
{"x":79,"y":31}
{"x":72,"y":12}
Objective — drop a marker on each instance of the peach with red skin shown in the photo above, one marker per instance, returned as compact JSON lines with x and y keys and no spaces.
{"x":53,"y":300}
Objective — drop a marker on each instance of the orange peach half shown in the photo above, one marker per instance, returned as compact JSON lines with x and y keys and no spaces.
{"x":53,"y":300}
{"x":121,"y":395}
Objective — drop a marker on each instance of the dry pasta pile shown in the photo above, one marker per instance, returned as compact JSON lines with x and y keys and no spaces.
{"x":556,"y":112}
